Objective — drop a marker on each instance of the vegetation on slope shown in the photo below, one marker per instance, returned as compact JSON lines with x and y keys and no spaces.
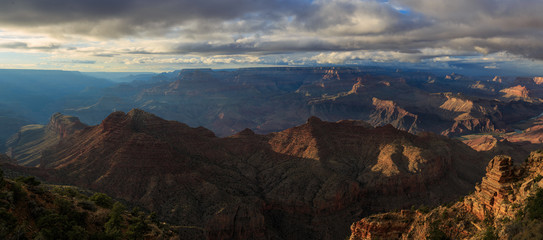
{"x":31,"y":210}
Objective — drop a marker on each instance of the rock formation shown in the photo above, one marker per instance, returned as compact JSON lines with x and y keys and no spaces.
{"x":496,"y":209}
{"x":388,"y":112}
{"x":516,"y":92}
{"x":383,"y":226}
{"x":494,"y":145}
{"x":27,"y":145}
{"x":308,"y":181}
{"x":494,"y":189}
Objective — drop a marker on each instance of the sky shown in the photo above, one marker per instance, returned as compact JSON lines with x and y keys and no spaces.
{"x":165,"y":35}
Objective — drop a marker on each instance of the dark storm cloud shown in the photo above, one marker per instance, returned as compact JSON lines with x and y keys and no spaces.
{"x":25,"y":46}
{"x":258,"y":27}
{"x":116,"y":18}
{"x":488,"y":26}
{"x":258,"y":47}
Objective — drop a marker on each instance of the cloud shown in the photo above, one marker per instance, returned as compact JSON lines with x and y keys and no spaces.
{"x":26,"y":46}
{"x":228,"y":31}
{"x":83,"y":61}
{"x":101,"y":18}
{"x":194,"y":60}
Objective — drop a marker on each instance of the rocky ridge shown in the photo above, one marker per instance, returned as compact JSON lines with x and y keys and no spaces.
{"x":26,"y":146}
{"x":309,"y":180}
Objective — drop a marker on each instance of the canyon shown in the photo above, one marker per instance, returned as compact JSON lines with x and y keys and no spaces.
{"x":290,"y":153}
{"x":310,"y":181}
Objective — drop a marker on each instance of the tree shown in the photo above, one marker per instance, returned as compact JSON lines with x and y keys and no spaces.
{"x":534,"y":206}
{"x":30,"y":181}
{"x":114,"y":224}
{"x":138,"y":229}
{"x":102,"y":200}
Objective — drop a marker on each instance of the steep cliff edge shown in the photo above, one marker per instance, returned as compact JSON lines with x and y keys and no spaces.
{"x":388,"y":112}
{"x":505,"y":205}
{"x":26,"y":146}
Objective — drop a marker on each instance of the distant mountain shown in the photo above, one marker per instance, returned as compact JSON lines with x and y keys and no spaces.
{"x":273,"y":99}
{"x":309,"y":181}
{"x":121,"y":76}
{"x":36,"y":94}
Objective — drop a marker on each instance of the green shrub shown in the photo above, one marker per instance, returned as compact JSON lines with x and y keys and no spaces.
{"x":87,"y":205}
{"x":18,"y":192}
{"x":60,"y":226}
{"x":490,"y":234}
{"x":424,"y":209}
{"x":53,"y":226}
{"x":534,"y":206}
{"x":137,"y":229}
{"x":528,"y":230}
{"x":30,"y":181}
{"x":153,"y":217}
{"x":102,"y":200}
{"x":8,"y":222}
{"x":114,"y":225}
{"x":67,"y":191}
{"x":136,"y":211}
{"x":66,"y":208}
{"x":435,"y":233}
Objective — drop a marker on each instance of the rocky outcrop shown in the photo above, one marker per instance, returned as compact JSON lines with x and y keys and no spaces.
{"x":538,"y":80}
{"x":64,"y":125}
{"x":495,"y":208}
{"x":463,"y":126}
{"x":516,"y":92}
{"x":532,"y":134}
{"x":310,"y":181}
{"x":357,"y":87}
{"x":388,"y":112}
{"x":5,"y":159}
{"x":28,"y":144}
{"x":494,"y":145}
{"x":494,"y":189}
{"x":483,"y":143}
{"x":471,"y":115}
{"x":383,"y":226}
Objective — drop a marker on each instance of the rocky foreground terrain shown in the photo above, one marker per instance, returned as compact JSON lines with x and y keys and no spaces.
{"x":310,"y":181}
{"x":506,"y":204}
{"x":32,"y":210}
